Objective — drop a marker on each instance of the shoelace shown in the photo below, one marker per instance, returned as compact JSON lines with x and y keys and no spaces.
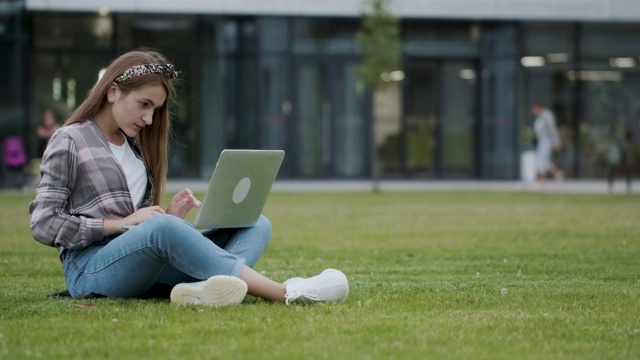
{"x":309,"y":293}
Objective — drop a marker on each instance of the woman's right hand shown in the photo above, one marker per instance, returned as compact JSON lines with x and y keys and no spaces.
{"x":115,"y":226}
{"x":142,"y":214}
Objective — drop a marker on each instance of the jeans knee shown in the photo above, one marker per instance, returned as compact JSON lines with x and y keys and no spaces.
{"x":263,"y":226}
{"x":168,"y":231}
{"x":164,"y":223}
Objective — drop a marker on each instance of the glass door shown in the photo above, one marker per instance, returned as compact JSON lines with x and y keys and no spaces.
{"x":440,"y":119}
{"x":331,"y":137}
{"x":312,"y":109}
{"x":422,"y":118}
{"x":458,"y":114}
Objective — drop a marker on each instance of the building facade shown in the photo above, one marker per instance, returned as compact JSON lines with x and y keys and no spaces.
{"x":282,"y":75}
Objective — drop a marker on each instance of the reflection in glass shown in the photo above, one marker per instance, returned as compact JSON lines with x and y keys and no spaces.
{"x":331,"y":129}
{"x":69,"y":31}
{"x":349,"y":129}
{"x":312,"y":113}
{"x":458,"y":118}
{"x":421,"y":118}
{"x":387,"y":113}
{"x":610,"y":106}
{"x":275,"y":107}
{"x":315,"y":36}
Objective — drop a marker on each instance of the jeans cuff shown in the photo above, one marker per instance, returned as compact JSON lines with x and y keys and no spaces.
{"x":237,"y":268}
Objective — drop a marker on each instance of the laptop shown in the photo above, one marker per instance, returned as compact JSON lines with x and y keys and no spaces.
{"x":239,"y":187}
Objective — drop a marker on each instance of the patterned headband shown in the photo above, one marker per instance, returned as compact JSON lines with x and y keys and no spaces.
{"x":166,"y":70}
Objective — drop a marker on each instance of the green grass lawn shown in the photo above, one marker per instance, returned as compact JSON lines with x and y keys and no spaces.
{"x":433,"y":275}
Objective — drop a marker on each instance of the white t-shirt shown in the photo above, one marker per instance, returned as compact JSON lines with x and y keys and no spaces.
{"x":134,"y":171}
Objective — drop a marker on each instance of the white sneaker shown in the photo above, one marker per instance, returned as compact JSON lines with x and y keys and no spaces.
{"x":219,"y":290}
{"x":329,"y":285}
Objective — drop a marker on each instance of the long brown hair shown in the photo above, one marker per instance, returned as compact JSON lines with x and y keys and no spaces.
{"x":154,"y":139}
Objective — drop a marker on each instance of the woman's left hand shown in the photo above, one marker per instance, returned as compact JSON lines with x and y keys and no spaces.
{"x":182,"y":203}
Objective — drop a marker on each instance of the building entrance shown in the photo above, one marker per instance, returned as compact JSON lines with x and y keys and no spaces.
{"x":440,"y":119}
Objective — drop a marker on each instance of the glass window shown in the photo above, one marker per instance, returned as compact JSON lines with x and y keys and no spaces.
{"x":458,"y":114}
{"x":350,"y":125}
{"x":273,"y":34}
{"x":240,"y":110}
{"x":72,"y":31}
{"x":416,"y":30}
{"x":431,"y":38}
{"x":60,"y":81}
{"x":275,"y":106}
{"x":421,"y":123}
{"x":312,"y":119}
{"x":595,"y":103}
{"x":330,"y":36}
{"x":240,"y":35}
{"x":12,"y":75}
{"x":7,"y":51}
{"x":249,"y":35}
{"x":549,"y":40}
{"x":10,"y":90}
{"x":610,"y":106}
{"x":230,"y":34}
{"x":388,"y":133}
{"x":7,"y":24}
{"x":211,"y":89}
{"x":609,"y":81}
{"x":160,"y":31}
{"x":330,"y":131}
{"x":609,"y":40}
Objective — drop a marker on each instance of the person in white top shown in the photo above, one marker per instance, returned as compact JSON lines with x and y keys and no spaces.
{"x":548,"y":139}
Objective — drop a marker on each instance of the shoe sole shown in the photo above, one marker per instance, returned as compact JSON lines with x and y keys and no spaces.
{"x":217,"y":291}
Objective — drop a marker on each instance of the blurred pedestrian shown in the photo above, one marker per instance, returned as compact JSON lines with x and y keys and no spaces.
{"x":45,"y":130}
{"x":14,"y":161}
{"x":621,"y":159}
{"x":547,"y":140}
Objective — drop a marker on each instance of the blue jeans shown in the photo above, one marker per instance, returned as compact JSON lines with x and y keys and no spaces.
{"x":162,"y":250}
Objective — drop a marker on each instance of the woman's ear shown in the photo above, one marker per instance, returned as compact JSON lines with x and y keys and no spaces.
{"x":113,"y":93}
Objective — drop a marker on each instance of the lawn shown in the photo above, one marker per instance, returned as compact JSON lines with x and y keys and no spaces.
{"x":458,"y":275}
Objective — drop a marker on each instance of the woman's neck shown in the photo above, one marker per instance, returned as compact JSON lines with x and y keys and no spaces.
{"x":109,"y":128}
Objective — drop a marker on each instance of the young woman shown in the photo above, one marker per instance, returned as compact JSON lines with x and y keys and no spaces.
{"x":106,"y":168}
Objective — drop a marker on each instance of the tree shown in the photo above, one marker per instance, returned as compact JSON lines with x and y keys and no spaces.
{"x":379,"y":39}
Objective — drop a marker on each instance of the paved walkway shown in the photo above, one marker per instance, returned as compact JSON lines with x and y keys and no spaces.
{"x":568,"y":186}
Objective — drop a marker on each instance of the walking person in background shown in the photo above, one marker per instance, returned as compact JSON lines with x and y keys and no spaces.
{"x":548,"y":140}
{"x":621,"y":159}
{"x":105,"y":168}
{"x":45,"y":130}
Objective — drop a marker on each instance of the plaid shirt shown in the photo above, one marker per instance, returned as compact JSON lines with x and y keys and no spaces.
{"x":81,"y":184}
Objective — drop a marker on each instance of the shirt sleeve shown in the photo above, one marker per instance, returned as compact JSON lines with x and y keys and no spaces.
{"x":50,"y":220}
